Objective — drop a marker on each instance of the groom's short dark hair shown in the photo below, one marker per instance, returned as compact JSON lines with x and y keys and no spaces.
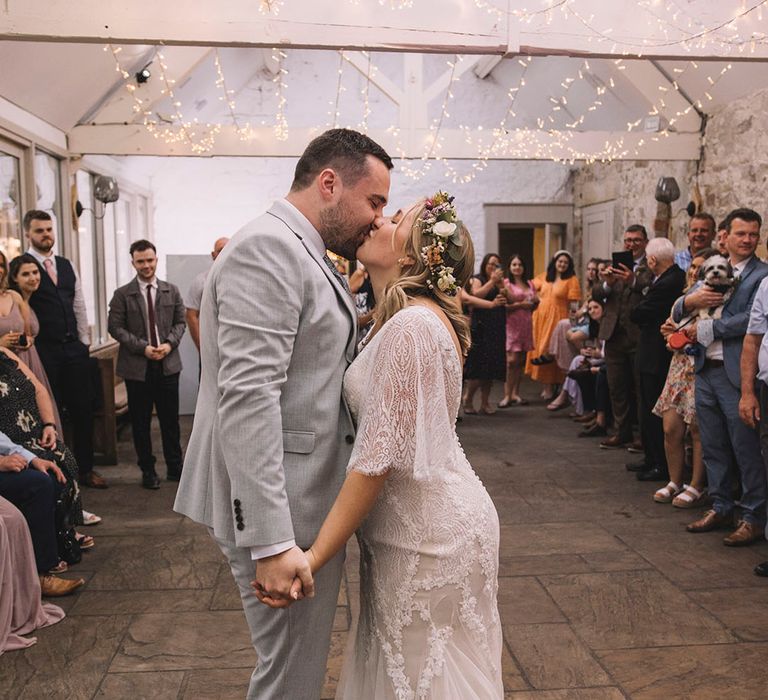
{"x":343,"y":150}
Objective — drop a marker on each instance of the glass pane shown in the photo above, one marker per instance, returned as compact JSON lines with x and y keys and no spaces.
{"x":48,"y":185}
{"x":110,"y":254}
{"x":10,"y":197}
{"x":86,"y":236}
{"x":141,"y":229}
{"x":123,"y":239}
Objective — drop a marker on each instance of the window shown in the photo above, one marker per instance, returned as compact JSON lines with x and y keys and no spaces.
{"x":48,"y":186}
{"x":88,"y":255}
{"x":10,"y":201}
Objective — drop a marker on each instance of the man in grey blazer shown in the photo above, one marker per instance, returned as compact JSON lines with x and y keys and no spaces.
{"x":724,"y":438}
{"x":146,"y":316}
{"x":272,"y":433}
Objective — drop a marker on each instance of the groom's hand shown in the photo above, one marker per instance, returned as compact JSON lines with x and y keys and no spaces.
{"x":274,"y":576}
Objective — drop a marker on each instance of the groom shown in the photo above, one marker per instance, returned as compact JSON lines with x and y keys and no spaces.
{"x":272,"y":434}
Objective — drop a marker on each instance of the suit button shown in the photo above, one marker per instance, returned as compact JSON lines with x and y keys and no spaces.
{"x":240,"y":526}
{"x":349,"y":439}
{"x":237,"y":510}
{"x":236,"y":503}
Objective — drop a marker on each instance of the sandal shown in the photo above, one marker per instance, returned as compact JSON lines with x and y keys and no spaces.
{"x":469,"y":410}
{"x":689,"y":498}
{"x":555,"y":406}
{"x":486,"y":411}
{"x":505,"y":403}
{"x":60,"y":568}
{"x":90,"y":518}
{"x":85,"y":541}
{"x":519,"y":401}
{"x":667,"y":493}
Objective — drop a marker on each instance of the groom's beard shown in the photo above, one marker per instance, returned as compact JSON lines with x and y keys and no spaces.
{"x":337,"y":228}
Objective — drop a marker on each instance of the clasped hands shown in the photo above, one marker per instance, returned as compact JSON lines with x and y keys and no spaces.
{"x":17,"y":463}
{"x":284,"y":578}
{"x":157,"y":353}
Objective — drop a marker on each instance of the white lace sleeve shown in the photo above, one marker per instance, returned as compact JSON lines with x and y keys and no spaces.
{"x":404,"y":422}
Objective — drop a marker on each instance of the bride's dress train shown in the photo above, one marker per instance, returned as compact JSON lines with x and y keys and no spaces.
{"x":429,"y":623}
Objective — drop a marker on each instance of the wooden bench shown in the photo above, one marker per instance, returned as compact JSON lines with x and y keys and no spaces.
{"x":114,"y":406}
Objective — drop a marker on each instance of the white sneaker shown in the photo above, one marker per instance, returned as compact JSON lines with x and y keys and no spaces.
{"x":90,"y":518}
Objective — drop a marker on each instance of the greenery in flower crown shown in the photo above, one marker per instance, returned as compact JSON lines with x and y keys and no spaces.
{"x":439,"y":225}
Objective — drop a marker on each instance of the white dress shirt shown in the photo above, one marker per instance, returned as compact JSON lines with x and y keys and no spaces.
{"x":78,"y":303}
{"x":152,"y":284}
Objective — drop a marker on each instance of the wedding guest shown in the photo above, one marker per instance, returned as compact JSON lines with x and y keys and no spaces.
{"x":26,"y":419}
{"x":570,"y":333}
{"x":559,"y":291}
{"x":365,"y":301}
{"x":24,"y":279}
{"x":677,"y":409}
{"x":486,"y":360}
{"x":722,"y":232}
{"x":63,"y":339}
{"x":589,"y":358}
{"x":621,"y":289}
{"x":701,"y":233}
{"x":32,"y":485}
{"x":652,"y":357}
{"x":521,"y":300}
{"x":195,"y":295}
{"x":146,"y":316}
{"x":601,"y":416}
{"x":718,"y":389}
{"x":21,"y":609}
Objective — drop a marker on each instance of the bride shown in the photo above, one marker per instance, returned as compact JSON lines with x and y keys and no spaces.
{"x":428,"y":531}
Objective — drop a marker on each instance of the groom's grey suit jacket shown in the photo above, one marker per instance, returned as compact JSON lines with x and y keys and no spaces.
{"x":272,"y":434}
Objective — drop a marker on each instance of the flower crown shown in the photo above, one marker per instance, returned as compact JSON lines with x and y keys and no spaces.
{"x":438,"y":224}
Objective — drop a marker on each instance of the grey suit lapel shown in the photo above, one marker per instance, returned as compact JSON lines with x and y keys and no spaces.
{"x":345,"y":298}
{"x":133,"y":288}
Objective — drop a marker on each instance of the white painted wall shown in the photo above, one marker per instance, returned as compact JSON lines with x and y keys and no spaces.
{"x":198,"y":200}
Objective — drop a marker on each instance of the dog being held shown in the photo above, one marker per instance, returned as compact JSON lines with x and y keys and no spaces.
{"x":717,"y":274}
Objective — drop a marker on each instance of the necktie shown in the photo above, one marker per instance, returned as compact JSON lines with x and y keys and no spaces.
{"x":341,"y":279}
{"x":50,"y":268}
{"x":151,"y":316}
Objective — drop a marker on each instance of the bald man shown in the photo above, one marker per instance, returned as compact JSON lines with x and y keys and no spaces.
{"x":195,"y":295}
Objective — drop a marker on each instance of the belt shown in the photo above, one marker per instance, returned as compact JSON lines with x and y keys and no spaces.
{"x":713,"y":363}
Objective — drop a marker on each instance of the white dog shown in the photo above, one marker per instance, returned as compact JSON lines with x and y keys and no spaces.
{"x":717,"y":274}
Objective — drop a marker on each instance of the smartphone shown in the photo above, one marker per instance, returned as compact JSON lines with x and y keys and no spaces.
{"x":623,"y":257}
{"x":22,"y":341}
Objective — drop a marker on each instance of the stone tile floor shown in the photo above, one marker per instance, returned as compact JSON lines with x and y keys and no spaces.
{"x":603,"y":595}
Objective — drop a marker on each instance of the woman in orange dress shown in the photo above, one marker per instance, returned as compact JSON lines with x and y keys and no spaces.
{"x":559,"y":292}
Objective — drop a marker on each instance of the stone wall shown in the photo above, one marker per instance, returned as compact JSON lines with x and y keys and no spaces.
{"x":734,"y":171}
{"x":631,"y":186}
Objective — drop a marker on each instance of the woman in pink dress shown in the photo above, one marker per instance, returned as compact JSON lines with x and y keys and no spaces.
{"x":521,"y":300}
{"x":17,"y":318}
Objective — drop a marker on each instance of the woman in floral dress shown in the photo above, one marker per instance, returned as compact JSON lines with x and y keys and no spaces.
{"x":676,"y":407}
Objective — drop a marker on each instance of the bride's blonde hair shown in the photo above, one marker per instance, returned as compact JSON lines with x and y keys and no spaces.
{"x":415,"y":277}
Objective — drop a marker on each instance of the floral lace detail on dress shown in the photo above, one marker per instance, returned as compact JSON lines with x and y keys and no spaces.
{"x":429,"y":624}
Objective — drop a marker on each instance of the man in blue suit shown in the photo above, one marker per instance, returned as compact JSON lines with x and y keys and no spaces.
{"x":724,"y":437}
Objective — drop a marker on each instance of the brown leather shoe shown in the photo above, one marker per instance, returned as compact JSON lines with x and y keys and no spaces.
{"x":54,"y":586}
{"x":613,"y":442}
{"x":712,"y":520}
{"x":746,"y":533}
{"x":94,"y":480}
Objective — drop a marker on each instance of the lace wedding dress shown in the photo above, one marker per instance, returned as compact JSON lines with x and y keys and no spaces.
{"x":429,"y":624}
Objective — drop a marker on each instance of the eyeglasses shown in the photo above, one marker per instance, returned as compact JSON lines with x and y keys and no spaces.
{"x":634,"y":241}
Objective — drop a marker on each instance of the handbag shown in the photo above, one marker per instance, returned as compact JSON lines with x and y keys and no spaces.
{"x":679,"y":339}
{"x":66,"y":540}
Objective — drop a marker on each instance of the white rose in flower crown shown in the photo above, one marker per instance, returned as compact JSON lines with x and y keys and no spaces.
{"x":443,"y":229}
{"x":445,"y":281}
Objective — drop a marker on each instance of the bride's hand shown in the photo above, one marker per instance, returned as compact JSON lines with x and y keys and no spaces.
{"x":297,"y":592}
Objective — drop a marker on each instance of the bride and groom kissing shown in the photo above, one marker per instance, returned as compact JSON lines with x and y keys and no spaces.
{"x":299,"y":440}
